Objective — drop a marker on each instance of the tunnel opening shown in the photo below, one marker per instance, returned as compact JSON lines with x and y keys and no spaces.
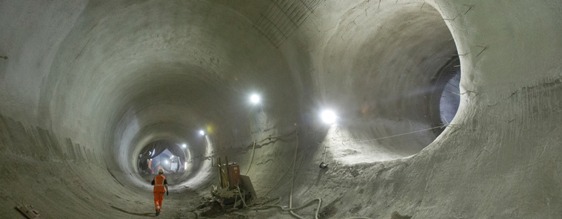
{"x":171,"y":157}
{"x":445,"y":97}
{"x":151,"y":160}
{"x":394,"y":91}
{"x":73,"y":69}
{"x":450,"y":97}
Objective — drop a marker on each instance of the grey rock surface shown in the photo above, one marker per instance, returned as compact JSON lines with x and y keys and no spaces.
{"x":85,"y":86}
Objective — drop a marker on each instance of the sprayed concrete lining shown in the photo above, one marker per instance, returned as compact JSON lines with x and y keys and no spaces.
{"x":85,"y":86}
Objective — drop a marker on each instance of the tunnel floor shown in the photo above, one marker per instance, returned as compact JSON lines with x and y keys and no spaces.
{"x":439,"y":108}
{"x":83,"y":185}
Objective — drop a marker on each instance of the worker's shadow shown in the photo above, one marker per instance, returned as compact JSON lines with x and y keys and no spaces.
{"x":149,"y":214}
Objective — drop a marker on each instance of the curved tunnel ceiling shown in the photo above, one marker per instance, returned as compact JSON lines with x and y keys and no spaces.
{"x":87,"y":86}
{"x":165,"y":68}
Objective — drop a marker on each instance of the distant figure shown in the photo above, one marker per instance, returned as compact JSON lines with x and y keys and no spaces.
{"x":150,"y":166}
{"x":160,"y":186}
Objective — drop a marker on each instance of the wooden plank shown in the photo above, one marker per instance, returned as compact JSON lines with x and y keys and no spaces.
{"x":28,"y":211}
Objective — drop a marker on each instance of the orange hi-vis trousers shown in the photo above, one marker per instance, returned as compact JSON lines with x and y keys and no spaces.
{"x":159,"y":191}
{"x":158,"y":198}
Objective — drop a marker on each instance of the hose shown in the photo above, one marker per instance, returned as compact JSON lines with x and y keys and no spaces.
{"x":293,"y":186}
{"x":242,"y":198}
{"x":252,"y":158}
{"x":293,"y":178}
{"x":255,"y":142}
{"x":292,"y":209}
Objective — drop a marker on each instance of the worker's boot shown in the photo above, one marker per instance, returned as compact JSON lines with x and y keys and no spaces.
{"x":157,"y":210}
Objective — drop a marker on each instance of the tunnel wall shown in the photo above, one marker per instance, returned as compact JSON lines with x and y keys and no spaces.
{"x":55,"y":176}
{"x":499,"y":158}
{"x":66,"y":75}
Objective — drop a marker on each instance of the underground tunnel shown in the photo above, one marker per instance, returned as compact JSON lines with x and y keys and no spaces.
{"x":333,"y":109}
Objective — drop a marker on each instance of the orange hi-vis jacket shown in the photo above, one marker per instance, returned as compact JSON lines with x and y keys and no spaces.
{"x":159,"y":183}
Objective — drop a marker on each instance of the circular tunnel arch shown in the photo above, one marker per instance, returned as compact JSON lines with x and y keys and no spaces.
{"x":510,"y":56}
{"x":148,"y":81}
{"x":393,"y":111}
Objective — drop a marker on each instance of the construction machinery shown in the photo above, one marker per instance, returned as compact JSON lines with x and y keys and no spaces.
{"x":234,"y":190}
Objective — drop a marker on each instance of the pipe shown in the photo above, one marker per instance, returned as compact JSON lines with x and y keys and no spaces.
{"x":293,"y":176}
{"x":294,"y":209}
{"x":252,"y":158}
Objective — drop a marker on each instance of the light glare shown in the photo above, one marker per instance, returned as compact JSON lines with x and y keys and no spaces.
{"x":201,"y":132}
{"x":328,"y":116}
{"x":184,"y":146}
{"x":255,"y":99}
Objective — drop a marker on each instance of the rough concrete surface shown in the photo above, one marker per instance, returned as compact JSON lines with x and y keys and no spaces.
{"x":86,"y":85}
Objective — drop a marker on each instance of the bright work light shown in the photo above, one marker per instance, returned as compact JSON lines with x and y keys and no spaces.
{"x":328,"y":116}
{"x":255,"y":99}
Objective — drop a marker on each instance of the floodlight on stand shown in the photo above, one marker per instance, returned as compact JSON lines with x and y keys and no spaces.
{"x":201,"y":132}
{"x":329,"y":117}
{"x":255,"y":99}
{"x":184,"y":146}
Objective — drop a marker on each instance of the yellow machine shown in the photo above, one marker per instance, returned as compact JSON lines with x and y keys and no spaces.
{"x":234,"y":189}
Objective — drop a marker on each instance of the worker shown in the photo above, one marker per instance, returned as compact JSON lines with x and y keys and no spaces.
{"x":160,"y":186}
